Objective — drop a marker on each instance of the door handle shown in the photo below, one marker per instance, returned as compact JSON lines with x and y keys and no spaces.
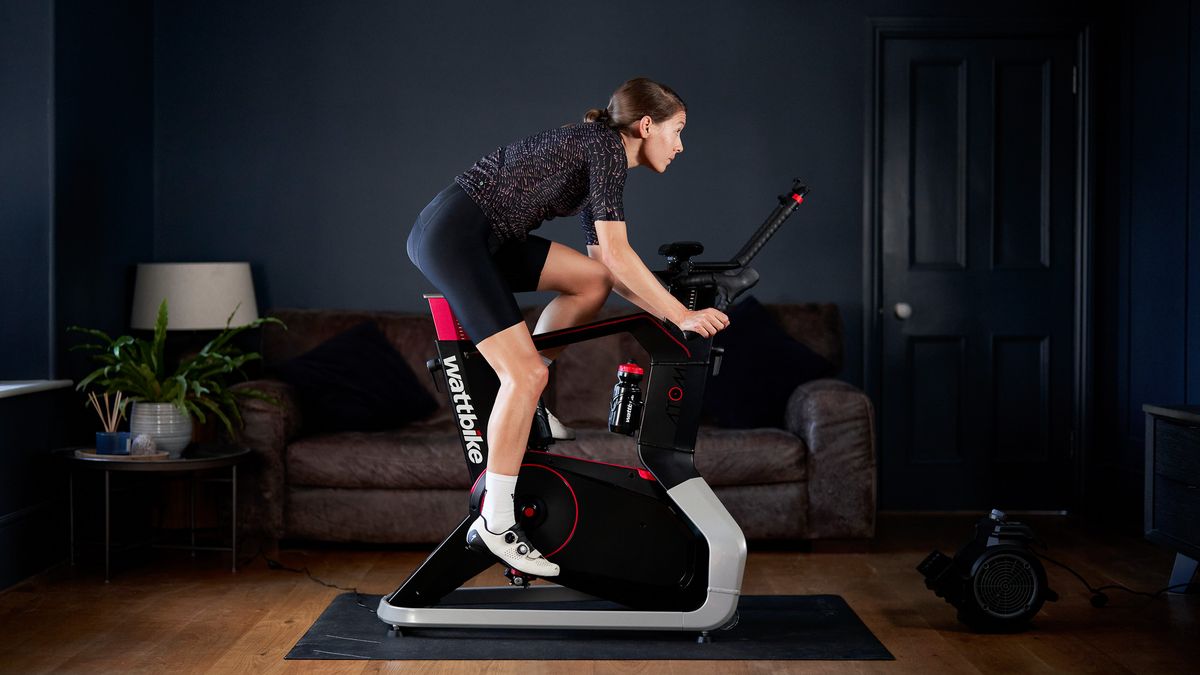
{"x":902,"y":310}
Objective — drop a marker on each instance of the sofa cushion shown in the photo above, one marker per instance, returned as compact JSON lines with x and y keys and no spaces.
{"x":355,"y":381}
{"x":416,"y":456}
{"x":429,"y":456}
{"x":763,"y":365}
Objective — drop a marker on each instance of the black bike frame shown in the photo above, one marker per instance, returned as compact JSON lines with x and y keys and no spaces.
{"x":674,"y":388}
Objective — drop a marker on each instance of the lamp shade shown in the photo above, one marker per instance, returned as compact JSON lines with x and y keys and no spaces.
{"x":200,"y":296}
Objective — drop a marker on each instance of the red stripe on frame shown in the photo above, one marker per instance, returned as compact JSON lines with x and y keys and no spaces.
{"x":568,"y":331}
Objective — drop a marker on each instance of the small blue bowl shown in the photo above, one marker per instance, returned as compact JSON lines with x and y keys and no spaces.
{"x":112,"y":442}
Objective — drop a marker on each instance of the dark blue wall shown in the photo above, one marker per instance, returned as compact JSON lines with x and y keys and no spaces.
{"x":76,"y":196}
{"x":307,"y":138}
{"x":26,"y":190}
{"x":26,"y":333}
{"x":1148,"y":241}
{"x":104,"y":165}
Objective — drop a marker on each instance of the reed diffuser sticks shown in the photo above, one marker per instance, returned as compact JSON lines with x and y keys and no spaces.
{"x":108,"y":417}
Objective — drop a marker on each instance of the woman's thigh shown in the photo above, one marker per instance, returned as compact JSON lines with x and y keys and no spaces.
{"x":569,"y":271}
{"x":451,"y":246}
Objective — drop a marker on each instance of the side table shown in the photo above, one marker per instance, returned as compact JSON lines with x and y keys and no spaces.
{"x":196,"y":457}
{"x":1173,"y":486}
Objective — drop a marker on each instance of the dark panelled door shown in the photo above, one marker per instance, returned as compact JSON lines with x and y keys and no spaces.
{"x":977,"y":210}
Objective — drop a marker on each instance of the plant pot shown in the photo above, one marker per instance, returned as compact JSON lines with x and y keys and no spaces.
{"x":170,"y":427}
{"x":112,"y":442}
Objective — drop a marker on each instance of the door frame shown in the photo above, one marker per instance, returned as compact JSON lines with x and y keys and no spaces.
{"x":883,"y":28}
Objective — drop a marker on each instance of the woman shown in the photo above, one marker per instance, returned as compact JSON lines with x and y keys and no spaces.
{"x":473,"y":243}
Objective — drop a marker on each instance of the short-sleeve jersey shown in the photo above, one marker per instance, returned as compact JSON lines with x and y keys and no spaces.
{"x":576,"y":169}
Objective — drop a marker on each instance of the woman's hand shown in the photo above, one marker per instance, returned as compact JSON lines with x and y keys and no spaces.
{"x":706,"y":322}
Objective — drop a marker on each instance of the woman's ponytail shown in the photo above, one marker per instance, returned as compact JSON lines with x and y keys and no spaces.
{"x":598,"y":115}
{"x":634,"y":100}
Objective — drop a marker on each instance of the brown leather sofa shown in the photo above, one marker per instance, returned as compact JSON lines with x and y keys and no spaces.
{"x":816,"y":479}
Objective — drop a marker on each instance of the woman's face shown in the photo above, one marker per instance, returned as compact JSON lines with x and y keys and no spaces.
{"x":663,"y":141}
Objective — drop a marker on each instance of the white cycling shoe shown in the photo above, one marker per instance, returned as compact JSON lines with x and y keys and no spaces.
{"x":558,"y":430}
{"x":512,"y":547}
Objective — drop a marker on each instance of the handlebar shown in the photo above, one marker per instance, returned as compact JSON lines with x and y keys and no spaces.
{"x":733,"y":277}
{"x":787,"y":204}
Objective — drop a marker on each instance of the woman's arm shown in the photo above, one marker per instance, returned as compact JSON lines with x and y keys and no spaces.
{"x":634,"y":282}
{"x":595,"y":253}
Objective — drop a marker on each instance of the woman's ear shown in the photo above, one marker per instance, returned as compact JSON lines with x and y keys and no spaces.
{"x":643,"y":126}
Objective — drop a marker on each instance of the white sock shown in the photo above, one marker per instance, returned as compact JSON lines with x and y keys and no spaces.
{"x":498,"y":502}
{"x":547,"y":361}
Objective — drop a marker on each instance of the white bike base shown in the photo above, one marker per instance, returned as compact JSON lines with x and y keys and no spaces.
{"x":717,"y":610}
{"x":726,"y":564}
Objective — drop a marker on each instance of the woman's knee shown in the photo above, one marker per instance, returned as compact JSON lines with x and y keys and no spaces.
{"x":605,"y":278}
{"x":569,"y":272}
{"x":599,"y":283}
{"x":528,"y":376}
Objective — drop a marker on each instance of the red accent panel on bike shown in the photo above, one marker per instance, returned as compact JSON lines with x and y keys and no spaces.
{"x":798,"y":198}
{"x":444,"y":321}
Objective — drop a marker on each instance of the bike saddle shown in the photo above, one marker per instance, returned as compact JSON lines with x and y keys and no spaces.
{"x":681,"y":249}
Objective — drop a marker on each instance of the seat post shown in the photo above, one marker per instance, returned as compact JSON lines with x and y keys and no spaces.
{"x":444,"y":321}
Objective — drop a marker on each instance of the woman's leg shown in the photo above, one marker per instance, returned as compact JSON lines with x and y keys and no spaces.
{"x":523,"y":376}
{"x":583,"y":285}
{"x":452,"y":242}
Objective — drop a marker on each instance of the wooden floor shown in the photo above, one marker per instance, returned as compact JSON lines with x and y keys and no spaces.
{"x":178,"y":614}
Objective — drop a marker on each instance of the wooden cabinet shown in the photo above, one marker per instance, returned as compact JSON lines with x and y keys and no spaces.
{"x":1172,"y":508}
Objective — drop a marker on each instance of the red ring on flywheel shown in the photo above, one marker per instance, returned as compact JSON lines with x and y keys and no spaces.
{"x":574,"y":499}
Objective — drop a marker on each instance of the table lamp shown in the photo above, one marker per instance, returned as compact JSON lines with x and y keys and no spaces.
{"x":200,"y":296}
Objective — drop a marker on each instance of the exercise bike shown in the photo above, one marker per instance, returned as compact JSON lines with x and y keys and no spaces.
{"x":579,"y":512}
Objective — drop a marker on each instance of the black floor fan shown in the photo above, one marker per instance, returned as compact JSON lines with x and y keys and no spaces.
{"x":995,"y":581}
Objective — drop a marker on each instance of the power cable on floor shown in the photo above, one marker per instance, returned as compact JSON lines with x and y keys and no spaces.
{"x":276,"y":565}
{"x":1099,"y":598}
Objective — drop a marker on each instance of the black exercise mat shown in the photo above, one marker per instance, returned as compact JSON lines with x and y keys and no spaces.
{"x":770,"y":628}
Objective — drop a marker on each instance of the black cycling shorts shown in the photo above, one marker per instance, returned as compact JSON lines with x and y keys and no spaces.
{"x":453,"y":245}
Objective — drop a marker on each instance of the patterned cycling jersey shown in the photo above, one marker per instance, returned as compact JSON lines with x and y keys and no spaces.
{"x":578,"y":168}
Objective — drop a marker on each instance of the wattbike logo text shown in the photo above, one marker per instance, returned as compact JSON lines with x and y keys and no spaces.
{"x":472,"y":441}
{"x":675,"y":395}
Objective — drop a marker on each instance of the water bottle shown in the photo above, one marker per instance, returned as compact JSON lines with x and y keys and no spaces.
{"x":625,"y":413}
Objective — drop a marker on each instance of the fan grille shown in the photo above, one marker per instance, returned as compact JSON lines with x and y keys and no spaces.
{"x":1005,"y":585}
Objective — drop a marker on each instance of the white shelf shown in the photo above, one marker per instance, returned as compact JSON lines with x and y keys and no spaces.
{"x":10,"y":388}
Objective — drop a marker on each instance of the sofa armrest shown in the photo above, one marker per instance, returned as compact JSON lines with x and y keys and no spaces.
{"x":268,"y":429}
{"x":837,"y":422}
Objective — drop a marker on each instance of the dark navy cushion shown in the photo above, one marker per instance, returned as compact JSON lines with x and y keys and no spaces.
{"x":763,"y":365}
{"x":355,"y":381}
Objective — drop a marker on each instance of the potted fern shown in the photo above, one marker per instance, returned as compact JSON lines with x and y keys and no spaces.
{"x":164,"y":403}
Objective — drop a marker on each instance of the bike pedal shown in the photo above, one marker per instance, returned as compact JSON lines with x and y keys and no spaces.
{"x":518,"y":578}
